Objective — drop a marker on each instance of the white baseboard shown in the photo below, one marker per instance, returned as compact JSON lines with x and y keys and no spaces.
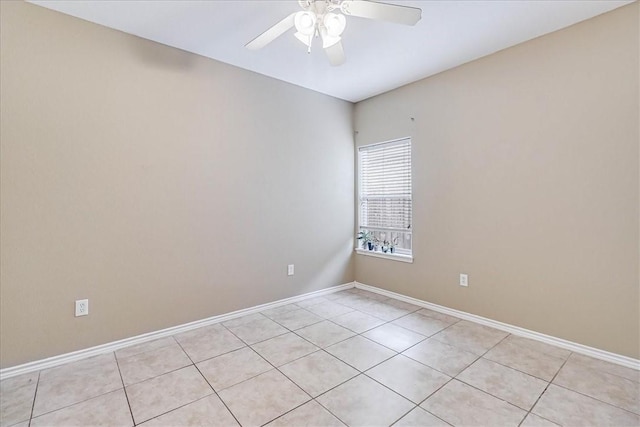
{"x":139,"y":339}
{"x":619,"y":359}
{"x":51,"y":362}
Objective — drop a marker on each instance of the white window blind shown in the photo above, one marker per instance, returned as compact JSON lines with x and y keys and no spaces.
{"x":385,"y":192}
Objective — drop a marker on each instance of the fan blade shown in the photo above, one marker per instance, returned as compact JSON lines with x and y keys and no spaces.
{"x":335,"y":53}
{"x":272,"y":33}
{"x":382,"y":11}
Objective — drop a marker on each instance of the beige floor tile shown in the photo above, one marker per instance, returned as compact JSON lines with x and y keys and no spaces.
{"x":337,"y":295}
{"x":361,"y":303}
{"x":420,"y":418}
{"x":439,"y":316}
{"x":75,"y":382}
{"x":325,"y":333}
{"x":600,"y":385}
{"x":443,"y":357}
{"x":233,"y":368}
{"x":284,"y":348}
{"x":152,"y":363}
{"x":384,"y":310}
{"x":83,"y":366}
{"x":279,"y":310}
{"x":206,"y":412}
{"x":360,"y":352}
{"x":207,"y":342}
{"x":318,"y":372}
{"x":258,"y":330}
{"x":351,"y":300}
{"x":357,"y":321}
{"x":109,"y":409}
{"x":532,"y":420}
{"x":370,"y":295}
{"x":22,"y":424}
{"x":144,"y":347}
{"x":296,"y":319}
{"x":363,"y":402}
{"x":165,"y":393}
{"x":16,"y":398}
{"x":409,"y":378}
{"x":243,"y":320}
{"x":601,"y":365}
{"x":394,"y":337}
{"x":357,"y":291}
{"x":526,"y":359}
{"x":311,"y":414}
{"x":539,"y":347}
{"x":470,"y":337}
{"x":571,"y":409}
{"x":421,"y":324}
{"x":505,"y":383}
{"x":329,"y":309}
{"x":460,"y":404}
{"x":311,"y":301}
{"x":263,"y":398}
{"x":403,"y":305}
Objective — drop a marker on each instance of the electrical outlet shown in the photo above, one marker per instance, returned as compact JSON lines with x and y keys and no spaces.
{"x":464,"y":280}
{"x":82,"y":307}
{"x":290,"y":270}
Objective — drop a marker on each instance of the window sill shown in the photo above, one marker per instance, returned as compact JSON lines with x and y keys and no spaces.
{"x":379,"y":254}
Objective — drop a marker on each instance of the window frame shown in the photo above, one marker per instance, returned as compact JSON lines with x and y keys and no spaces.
{"x":405,"y":255}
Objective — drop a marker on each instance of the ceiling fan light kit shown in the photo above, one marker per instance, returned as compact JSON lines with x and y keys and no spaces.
{"x":326,"y":19}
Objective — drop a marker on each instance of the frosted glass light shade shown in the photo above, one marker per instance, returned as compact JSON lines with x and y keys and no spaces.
{"x":334,"y":23}
{"x":305,"y":22}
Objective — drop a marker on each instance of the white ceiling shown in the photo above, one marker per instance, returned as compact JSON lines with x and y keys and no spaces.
{"x":380,"y":56}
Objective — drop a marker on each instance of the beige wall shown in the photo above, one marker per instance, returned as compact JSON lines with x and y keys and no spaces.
{"x":525,"y":168}
{"x":163,"y":186}
{"x":166,"y":187}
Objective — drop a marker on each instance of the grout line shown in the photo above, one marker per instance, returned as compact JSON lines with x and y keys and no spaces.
{"x":207,"y":381}
{"x":485,"y":391}
{"x":516,"y":369}
{"x":329,"y":411}
{"x":428,"y":397}
{"x":124,"y":389}
{"x":277,"y":369}
{"x":144,"y":351}
{"x":171,"y":371}
{"x":215,"y":393}
{"x":291,"y":330}
{"x":320,"y":348}
{"x":360,"y":372}
{"x":281,"y":373}
{"x":289,"y":411}
{"x":73,"y":403}
{"x":596,"y":399}
{"x":489,"y":394}
{"x":405,"y":414}
{"x":290,"y":361}
{"x":35,"y":394}
{"x":66,"y":406}
{"x":543,"y":392}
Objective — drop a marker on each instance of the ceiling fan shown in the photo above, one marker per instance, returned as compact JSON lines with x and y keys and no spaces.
{"x":326,"y":19}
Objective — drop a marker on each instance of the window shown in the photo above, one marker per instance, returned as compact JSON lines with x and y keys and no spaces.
{"x":384,"y":174}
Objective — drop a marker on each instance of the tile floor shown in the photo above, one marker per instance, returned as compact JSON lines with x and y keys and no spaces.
{"x":350,"y":358}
